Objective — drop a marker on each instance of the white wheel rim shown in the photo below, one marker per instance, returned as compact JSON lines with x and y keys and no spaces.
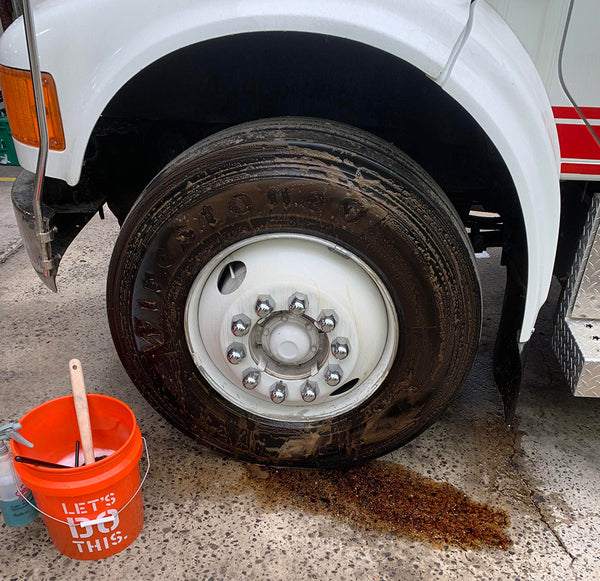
{"x":284,"y":350}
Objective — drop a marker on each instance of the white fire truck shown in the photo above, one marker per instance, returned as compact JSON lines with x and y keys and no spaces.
{"x":302,"y":187}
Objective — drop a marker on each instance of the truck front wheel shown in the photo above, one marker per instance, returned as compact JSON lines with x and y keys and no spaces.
{"x":295,"y":292}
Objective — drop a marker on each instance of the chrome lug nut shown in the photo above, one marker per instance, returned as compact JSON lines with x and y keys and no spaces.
{"x":240,"y":325}
{"x":333,"y":375}
{"x":298,"y":303}
{"x":235,"y":353}
{"x":327,"y":320}
{"x":251,"y":378}
{"x":264,"y":306}
{"x":278,"y":392}
{"x":340,"y":348}
{"x":309,"y":391}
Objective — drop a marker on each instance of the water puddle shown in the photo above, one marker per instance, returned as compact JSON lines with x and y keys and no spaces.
{"x":386,"y":498}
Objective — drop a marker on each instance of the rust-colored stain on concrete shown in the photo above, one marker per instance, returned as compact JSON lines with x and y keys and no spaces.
{"x":386,"y":498}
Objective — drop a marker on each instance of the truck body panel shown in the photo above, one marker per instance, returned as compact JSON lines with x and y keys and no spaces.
{"x":493,"y":79}
{"x":539,"y":26}
{"x":103,"y":53}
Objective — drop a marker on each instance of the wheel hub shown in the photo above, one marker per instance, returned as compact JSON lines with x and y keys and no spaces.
{"x":288,"y":346}
{"x":299,"y":330}
{"x":289,"y":341}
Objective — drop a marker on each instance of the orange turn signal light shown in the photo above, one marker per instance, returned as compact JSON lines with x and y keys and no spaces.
{"x":17,"y":90}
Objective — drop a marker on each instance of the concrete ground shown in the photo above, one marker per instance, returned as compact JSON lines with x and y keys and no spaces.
{"x":208,"y":517}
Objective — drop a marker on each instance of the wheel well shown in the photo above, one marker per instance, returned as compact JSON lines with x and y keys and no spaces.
{"x":203,"y":88}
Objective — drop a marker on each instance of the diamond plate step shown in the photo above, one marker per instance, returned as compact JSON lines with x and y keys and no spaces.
{"x":576,"y":337}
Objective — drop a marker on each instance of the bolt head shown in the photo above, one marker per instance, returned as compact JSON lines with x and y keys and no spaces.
{"x":264,"y":306}
{"x":235,"y":353}
{"x":309,"y":391}
{"x":327,"y":320}
{"x":278,"y":392}
{"x":298,"y":303}
{"x":251,"y":378}
{"x":240,"y":325}
{"x":333,"y":375}
{"x":340,"y":348}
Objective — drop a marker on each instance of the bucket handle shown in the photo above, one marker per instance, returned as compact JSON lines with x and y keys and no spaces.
{"x":87,"y":523}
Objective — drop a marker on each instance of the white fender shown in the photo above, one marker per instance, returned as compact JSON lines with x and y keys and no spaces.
{"x":93,"y":49}
{"x":496,"y":82}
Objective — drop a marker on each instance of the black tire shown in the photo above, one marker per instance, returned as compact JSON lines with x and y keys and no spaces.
{"x":315,"y":178}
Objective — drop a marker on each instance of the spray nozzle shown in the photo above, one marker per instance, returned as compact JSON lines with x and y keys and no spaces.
{"x":11,"y":431}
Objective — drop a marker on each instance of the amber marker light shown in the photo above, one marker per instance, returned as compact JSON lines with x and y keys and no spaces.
{"x":17,"y":90}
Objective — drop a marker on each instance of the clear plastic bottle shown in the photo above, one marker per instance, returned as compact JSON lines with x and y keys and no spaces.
{"x":16,"y":511}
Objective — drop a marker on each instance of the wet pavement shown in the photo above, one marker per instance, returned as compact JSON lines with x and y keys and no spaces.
{"x":208,"y":517}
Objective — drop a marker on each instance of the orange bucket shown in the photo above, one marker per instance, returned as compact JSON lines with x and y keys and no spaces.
{"x":92,"y":511}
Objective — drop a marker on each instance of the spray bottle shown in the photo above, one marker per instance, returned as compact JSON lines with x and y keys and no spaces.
{"x":16,"y":511}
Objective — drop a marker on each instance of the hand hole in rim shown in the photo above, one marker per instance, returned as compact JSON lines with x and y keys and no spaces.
{"x":344,"y":388}
{"x":231,"y":277}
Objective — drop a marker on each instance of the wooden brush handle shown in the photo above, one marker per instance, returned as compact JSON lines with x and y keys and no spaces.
{"x":82,"y":411}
